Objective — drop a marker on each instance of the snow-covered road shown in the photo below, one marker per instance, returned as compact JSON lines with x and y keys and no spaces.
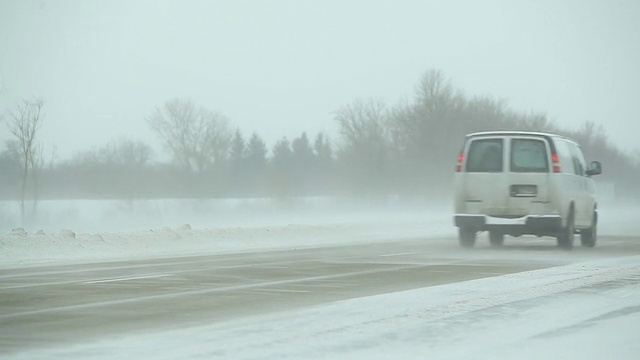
{"x":318,"y":305}
{"x":582,"y":311}
{"x":381,"y":284}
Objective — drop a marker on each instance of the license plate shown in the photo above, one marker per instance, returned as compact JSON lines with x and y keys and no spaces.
{"x":524,"y":190}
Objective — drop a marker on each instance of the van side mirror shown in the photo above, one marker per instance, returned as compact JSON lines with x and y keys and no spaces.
{"x":595,"y":168}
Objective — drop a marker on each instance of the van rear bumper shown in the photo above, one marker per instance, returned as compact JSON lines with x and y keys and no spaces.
{"x":530,"y":224}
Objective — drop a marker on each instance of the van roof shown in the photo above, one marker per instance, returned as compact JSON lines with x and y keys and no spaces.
{"x":517,"y":133}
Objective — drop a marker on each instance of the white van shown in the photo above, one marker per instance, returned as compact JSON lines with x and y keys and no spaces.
{"x":519,"y":183}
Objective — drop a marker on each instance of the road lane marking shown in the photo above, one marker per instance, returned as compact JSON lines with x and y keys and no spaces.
{"x":213,"y":268}
{"x":70,"y":282}
{"x":127,"y":278}
{"x":399,"y":254}
{"x":285,"y":290}
{"x":213,"y":259}
{"x":178,"y":294}
{"x":270,"y":265}
{"x":336,"y":286}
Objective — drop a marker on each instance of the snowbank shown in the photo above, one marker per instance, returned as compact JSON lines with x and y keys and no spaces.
{"x":80,"y":231}
{"x":83,"y":231}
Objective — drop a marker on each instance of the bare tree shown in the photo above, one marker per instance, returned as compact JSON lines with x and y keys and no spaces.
{"x":196,"y":137}
{"x":37,"y":163}
{"x":434,"y":91}
{"x":24,"y":122}
{"x":126,"y":153}
{"x":365,"y":143}
{"x":11,"y":166}
{"x":362,"y":123}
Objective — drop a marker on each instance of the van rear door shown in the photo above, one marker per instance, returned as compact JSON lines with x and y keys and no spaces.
{"x":484,"y":179}
{"x":506,"y":176}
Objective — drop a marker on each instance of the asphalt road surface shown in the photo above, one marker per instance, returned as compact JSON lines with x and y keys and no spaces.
{"x":50,"y":306}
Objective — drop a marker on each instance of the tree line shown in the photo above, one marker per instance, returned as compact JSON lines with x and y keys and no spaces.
{"x":407,"y":148}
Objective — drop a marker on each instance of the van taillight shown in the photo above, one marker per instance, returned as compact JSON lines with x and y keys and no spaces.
{"x":555,"y":163}
{"x":459,"y":164}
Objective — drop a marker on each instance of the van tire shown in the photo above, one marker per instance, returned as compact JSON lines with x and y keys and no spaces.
{"x":565,"y":236}
{"x":588,"y":237}
{"x":466,"y":237}
{"x":496,"y":238}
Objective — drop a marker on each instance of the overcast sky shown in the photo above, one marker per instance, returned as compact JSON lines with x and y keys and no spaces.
{"x":282,"y":67}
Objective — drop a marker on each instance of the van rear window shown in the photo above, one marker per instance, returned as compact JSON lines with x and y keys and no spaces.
{"x":485,"y":155}
{"x":529,"y":155}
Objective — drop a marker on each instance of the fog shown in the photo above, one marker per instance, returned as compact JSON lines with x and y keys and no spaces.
{"x":273,"y":179}
{"x":90,"y":230}
{"x":332,"y":93}
{"x":571,"y":305}
{"x":284,"y":67}
{"x":99,"y":216}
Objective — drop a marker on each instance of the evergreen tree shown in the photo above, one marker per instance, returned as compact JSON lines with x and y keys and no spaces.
{"x":281,"y":166}
{"x":256,"y":152}
{"x":237,"y":163}
{"x":238,"y":148}
{"x":322,"y":149}
{"x":256,"y":161}
{"x":323,"y":170}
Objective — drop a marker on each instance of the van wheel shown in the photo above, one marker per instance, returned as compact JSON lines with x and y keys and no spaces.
{"x":565,"y":236}
{"x":466,"y":237}
{"x":588,"y":237}
{"x":496,"y":238}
